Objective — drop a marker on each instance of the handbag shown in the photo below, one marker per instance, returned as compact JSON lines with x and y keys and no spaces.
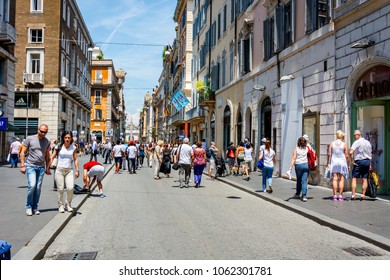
{"x":372,"y":188}
{"x":8,"y":158}
{"x":260,"y":162}
{"x":176,"y":165}
{"x":312,"y":159}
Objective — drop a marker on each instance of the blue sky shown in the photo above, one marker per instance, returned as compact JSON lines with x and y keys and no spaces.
{"x":132,"y":22}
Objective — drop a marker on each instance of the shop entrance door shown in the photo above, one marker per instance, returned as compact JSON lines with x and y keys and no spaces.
{"x":371,"y":121}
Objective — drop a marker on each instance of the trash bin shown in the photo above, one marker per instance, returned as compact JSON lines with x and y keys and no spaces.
{"x":5,"y":250}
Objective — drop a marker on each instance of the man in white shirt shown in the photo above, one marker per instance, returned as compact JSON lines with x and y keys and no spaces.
{"x":361,"y":153}
{"x":184,"y":158}
{"x":131,"y":153}
{"x":108,"y":150}
{"x":94,"y":150}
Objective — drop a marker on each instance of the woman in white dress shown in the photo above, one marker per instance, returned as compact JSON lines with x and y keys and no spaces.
{"x":338,"y":164}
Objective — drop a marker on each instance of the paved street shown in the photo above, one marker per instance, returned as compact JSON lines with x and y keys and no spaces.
{"x":146,"y":219}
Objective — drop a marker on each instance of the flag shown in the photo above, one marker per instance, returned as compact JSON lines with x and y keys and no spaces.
{"x":179,"y":100}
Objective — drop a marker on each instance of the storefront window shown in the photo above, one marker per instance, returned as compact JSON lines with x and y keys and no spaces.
{"x":311,"y":128}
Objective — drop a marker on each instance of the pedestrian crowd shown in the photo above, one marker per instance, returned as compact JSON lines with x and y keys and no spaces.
{"x":37,"y":157}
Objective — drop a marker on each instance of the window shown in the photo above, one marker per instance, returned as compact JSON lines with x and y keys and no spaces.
{"x":5,"y":10}
{"x":268,"y":38}
{"x":98,"y":96}
{"x":3,"y":70}
{"x":317,"y":14}
{"x":64,"y":9}
{"x":246,"y":55}
{"x":215,"y":77}
{"x":35,"y":61}
{"x":63,"y":107}
{"x":68,"y":17}
{"x":36,"y":6}
{"x":21,"y":101}
{"x":36,"y":36}
{"x":98,"y":114}
{"x":232,"y":11}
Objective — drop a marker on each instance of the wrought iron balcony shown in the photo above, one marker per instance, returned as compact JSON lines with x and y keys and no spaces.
{"x":206,"y":99}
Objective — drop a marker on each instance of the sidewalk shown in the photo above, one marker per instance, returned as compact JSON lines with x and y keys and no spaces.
{"x":368,"y":220}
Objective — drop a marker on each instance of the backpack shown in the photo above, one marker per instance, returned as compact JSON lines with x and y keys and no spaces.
{"x":312,"y":159}
{"x":208,"y":153}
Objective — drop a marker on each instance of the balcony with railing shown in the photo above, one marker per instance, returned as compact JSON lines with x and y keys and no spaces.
{"x":206,"y":98}
{"x":7,"y":33}
{"x":33,"y":78}
{"x":195,"y":114}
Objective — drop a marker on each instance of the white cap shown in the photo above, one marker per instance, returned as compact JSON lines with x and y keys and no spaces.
{"x":264,"y":140}
{"x":186,"y":140}
{"x":306,"y":137}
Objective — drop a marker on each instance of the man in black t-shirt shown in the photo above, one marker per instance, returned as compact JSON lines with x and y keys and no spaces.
{"x":231,"y":156}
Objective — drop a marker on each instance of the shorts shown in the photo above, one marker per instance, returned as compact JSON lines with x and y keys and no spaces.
{"x":247,"y":163}
{"x":118,"y":159}
{"x":212,"y":164}
{"x":362,"y":169}
{"x":231,"y":161}
{"x":97,"y":171}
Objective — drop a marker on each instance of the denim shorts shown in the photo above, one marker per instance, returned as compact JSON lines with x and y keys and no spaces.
{"x":362,"y":169}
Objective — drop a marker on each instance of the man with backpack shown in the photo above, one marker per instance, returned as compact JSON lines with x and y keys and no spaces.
{"x":231,"y":156}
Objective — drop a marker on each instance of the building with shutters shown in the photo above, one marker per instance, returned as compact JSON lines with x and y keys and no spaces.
{"x":53,"y":72}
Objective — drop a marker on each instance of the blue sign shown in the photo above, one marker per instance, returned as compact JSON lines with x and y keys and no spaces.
{"x":3,"y":124}
{"x":179,"y":100}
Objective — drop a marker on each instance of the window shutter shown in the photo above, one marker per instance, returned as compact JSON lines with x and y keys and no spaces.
{"x":279,"y":17}
{"x":266,"y":39}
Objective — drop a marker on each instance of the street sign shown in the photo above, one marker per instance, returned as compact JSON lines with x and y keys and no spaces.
{"x":3,"y":124}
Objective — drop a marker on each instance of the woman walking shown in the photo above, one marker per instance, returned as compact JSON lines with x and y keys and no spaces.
{"x":166,"y":161}
{"x":300,"y":161}
{"x":199,"y":161}
{"x":338,"y":164}
{"x":158,"y":155}
{"x":149,"y":154}
{"x":248,"y":150}
{"x":240,"y":155}
{"x":66,"y":154}
{"x":269,"y":159}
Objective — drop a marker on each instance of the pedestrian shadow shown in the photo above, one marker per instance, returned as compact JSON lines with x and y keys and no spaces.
{"x":48,"y":210}
{"x":233,"y":197}
{"x":296,"y":198}
{"x":22,"y":187}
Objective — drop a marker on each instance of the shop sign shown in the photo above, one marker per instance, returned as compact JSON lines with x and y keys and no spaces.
{"x":3,"y":124}
{"x":375,"y":83}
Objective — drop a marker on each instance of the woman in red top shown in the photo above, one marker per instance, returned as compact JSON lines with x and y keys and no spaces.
{"x":199,"y":163}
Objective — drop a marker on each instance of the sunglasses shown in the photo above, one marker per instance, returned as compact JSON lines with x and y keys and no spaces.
{"x":44,"y":132}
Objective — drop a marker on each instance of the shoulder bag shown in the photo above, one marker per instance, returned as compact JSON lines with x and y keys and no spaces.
{"x":176,"y":165}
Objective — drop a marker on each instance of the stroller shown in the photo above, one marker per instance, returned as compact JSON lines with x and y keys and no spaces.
{"x":221,"y":170}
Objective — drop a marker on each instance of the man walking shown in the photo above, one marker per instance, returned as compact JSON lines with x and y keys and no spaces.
{"x":36,"y":165}
{"x":184,"y":158}
{"x":94,"y":150}
{"x":361,"y":153}
{"x":108,"y":151}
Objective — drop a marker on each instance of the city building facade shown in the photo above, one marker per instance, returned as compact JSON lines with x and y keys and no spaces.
{"x":52,"y":77}
{"x":107,"y":118}
{"x":7,"y":75}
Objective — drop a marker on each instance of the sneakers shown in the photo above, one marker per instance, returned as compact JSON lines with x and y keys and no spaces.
{"x":340,"y":198}
{"x":61,"y":209}
{"x":362,"y":198}
{"x":69,"y":208}
{"x":297,"y":196}
{"x":102,"y":195}
{"x":36,"y":212}
{"x":304,"y":199}
{"x":353,"y":197}
{"x":29,"y":212}
{"x":334,"y":198}
{"x":264,"y":190}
